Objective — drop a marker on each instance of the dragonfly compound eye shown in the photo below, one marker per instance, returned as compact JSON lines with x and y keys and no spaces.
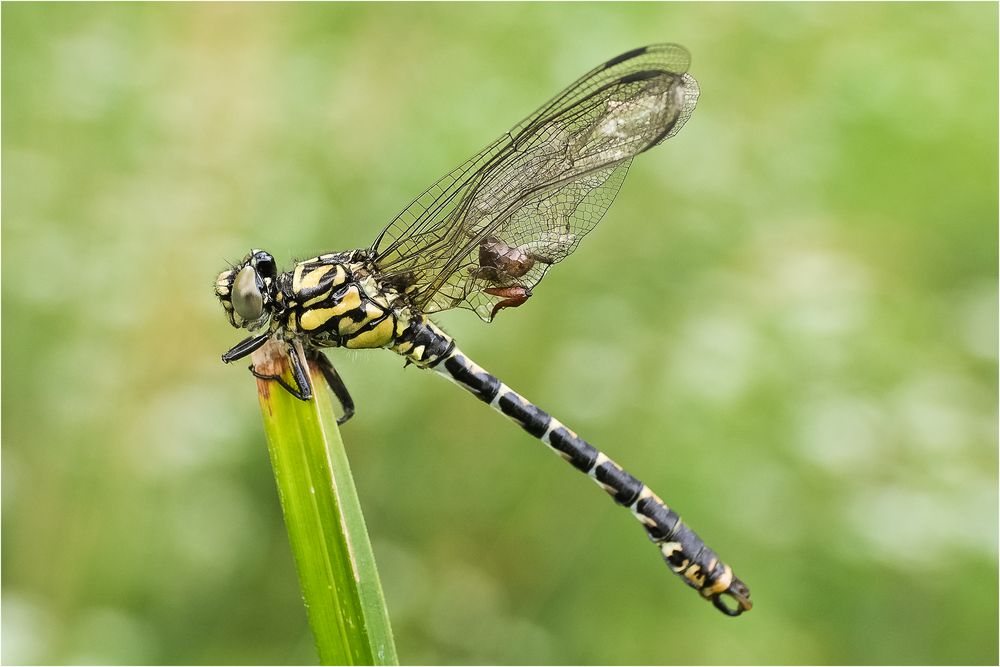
{"x":246,"y":297}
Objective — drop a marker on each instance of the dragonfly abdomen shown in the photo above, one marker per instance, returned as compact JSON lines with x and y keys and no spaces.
{"x":421,"y":341}
{"x":684,"y":552}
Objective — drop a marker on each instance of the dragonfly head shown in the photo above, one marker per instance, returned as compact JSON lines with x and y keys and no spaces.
{"x":247,"y":290}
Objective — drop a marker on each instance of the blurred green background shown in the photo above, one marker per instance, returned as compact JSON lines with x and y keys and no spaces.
{"x":786,"y":325}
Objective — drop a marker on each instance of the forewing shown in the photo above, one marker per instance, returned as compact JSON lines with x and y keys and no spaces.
{"x":539,"y":188}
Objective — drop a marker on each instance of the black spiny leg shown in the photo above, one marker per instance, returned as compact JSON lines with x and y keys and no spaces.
{"x":245,"y":347}
{"x":298,"y":357}
{"x":303,"y":390}
{"x":336,"y":384}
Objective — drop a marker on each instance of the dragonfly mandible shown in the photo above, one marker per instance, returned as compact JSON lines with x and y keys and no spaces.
{"x":481,"y":238}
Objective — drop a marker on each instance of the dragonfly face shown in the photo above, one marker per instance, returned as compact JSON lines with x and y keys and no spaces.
{"x":247,"y":291}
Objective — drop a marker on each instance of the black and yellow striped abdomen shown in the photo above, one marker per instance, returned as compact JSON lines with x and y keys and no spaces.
{"x":684,"y":552}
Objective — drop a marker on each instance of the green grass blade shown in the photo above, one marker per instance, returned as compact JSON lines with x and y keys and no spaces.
{"x":329,"y":540}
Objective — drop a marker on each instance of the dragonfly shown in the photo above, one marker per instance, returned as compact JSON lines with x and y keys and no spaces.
{"x":481,"y":238}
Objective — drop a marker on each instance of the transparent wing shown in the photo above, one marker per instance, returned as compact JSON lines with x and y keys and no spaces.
{"x":524,"y":202}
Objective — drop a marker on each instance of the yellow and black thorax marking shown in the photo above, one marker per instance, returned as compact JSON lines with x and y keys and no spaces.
{"x":336,"y":302}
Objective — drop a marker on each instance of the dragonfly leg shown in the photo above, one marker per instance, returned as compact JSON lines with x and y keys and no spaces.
{"x":303,"y":388}
{"x":245,"y":347}
{"x":336,"y":384}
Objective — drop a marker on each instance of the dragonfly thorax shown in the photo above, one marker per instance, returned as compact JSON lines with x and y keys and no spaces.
{"x":335,"y":300}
